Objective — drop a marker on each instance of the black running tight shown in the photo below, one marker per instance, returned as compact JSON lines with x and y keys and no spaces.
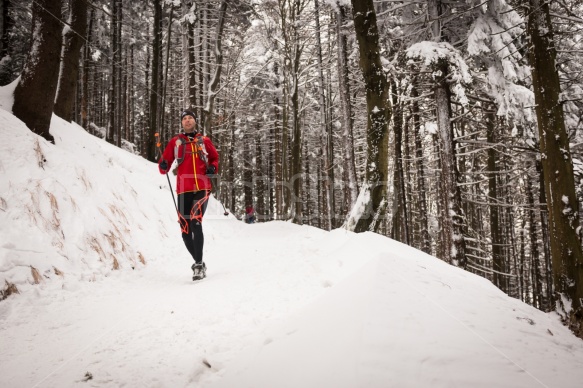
{"x":193,"y":203}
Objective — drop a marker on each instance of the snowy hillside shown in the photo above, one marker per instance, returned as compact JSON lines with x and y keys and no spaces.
{"x":88,"y":236}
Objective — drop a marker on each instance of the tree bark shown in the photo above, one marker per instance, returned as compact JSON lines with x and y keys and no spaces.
{"x":498,"y":267}
{"x":34,"y":96}
{"x":118,"y":91}
{"x":400,"y":231}
{"x":295,"y":53}
{"x":165,"y":82}
{"x":7,"y":24}
{"x":562,"y":203}
{"x":214,"y":83}
{"x":192,"y":81}
{"x":73,"y":40}
{"x":260,"y":176}
{"x":351,"y":191}
{"x":374,"y":191}
{"x":86,"y":66}
{"x":454,"y":242}
{"x":537,"y":278}
{"x":453,"y":236}
{"x":326,"y":128}
{"x":155,"y":85}
{"x":112,"y":97}
{"x":420,"y":169}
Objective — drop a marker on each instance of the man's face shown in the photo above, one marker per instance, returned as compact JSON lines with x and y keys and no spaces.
{"x":188,"y":123}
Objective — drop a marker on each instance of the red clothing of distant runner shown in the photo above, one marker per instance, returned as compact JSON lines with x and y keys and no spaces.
{"x":191,"y":174}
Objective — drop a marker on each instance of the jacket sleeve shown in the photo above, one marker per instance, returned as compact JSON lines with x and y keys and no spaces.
{"x":212,"y":154}
{"x":167,"y":155}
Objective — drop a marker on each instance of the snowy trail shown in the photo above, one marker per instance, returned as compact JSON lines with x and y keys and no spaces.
{"x":283,"y":306}
{"x":161,"y":327}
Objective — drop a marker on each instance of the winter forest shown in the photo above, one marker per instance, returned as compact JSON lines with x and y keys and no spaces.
{"x":451,"y":126}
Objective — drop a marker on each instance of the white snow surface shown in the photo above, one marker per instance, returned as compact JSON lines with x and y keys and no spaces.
{"x":283,"y":305}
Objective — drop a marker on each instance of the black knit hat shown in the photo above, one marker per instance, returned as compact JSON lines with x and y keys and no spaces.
{"x":187,"y":112}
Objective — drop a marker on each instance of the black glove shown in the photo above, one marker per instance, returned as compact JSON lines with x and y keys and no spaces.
{"x":164,"y":166}
{"x":211,"y":170}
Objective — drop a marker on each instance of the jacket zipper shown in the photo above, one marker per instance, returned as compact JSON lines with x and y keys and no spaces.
{"x":194,"y":165}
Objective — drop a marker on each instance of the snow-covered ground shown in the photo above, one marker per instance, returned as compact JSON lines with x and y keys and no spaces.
{"x":283,"y":305}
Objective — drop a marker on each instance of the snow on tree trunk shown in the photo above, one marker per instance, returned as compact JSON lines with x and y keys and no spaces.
{"x":400,"y":224}
{"x":86,"y":66}
{"x":421,"y":196}
{"x":346,"y":110}
{"x":452,"y":223}
{"x":155,"y":85}
{"x":498,"y":262}
{"x":454,"y":242}
{"x":562,"y":203}
{"x":374,"y":190}
{"x":34,"y":96}
{"x":214,"y":83}
{"x":114,"y":55}
{"x":326,"y":128}
{"x":186,"y":26}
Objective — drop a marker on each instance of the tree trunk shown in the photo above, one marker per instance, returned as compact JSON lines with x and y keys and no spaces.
{"x":7,"y":24}
{"x":400,"y":230}
{"x":562,"y":203}
{"x":191,"y":63}
{"x":248,"y":166}
{"x":498,"y":267}
{"x":421,"y":198}
{"x":277,"y":135}
{"x":155,"y":85}
{"x":326,"y":128}
{"x":204,"y":59}
{"x":118,"y":91}
{"x":71,"y":53}
{"x":545,"y":229}
{"x":214,"y":83}
{"x":374,"y":190}
{"x":452,"y":233}
{"x":295,"y":54}
{"x":185,"y":63}
{"x":260,"y":176}
{"x":86,"y":66}
{"x":537,"y":278}
{"x":112,"y":100}
{"x":351,"y":191}
{"x":34,"y":96}
{"x":454,"y":243}
{"x":200,"y":56}
{"x":166,"y":68}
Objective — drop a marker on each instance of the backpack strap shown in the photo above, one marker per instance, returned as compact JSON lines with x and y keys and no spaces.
{"x":180,"y":145}
{"x":201,"y":149}
{"x":180,"y":148}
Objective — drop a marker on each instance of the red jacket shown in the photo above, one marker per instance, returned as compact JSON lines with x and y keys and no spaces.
{"x":191,"y":175}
